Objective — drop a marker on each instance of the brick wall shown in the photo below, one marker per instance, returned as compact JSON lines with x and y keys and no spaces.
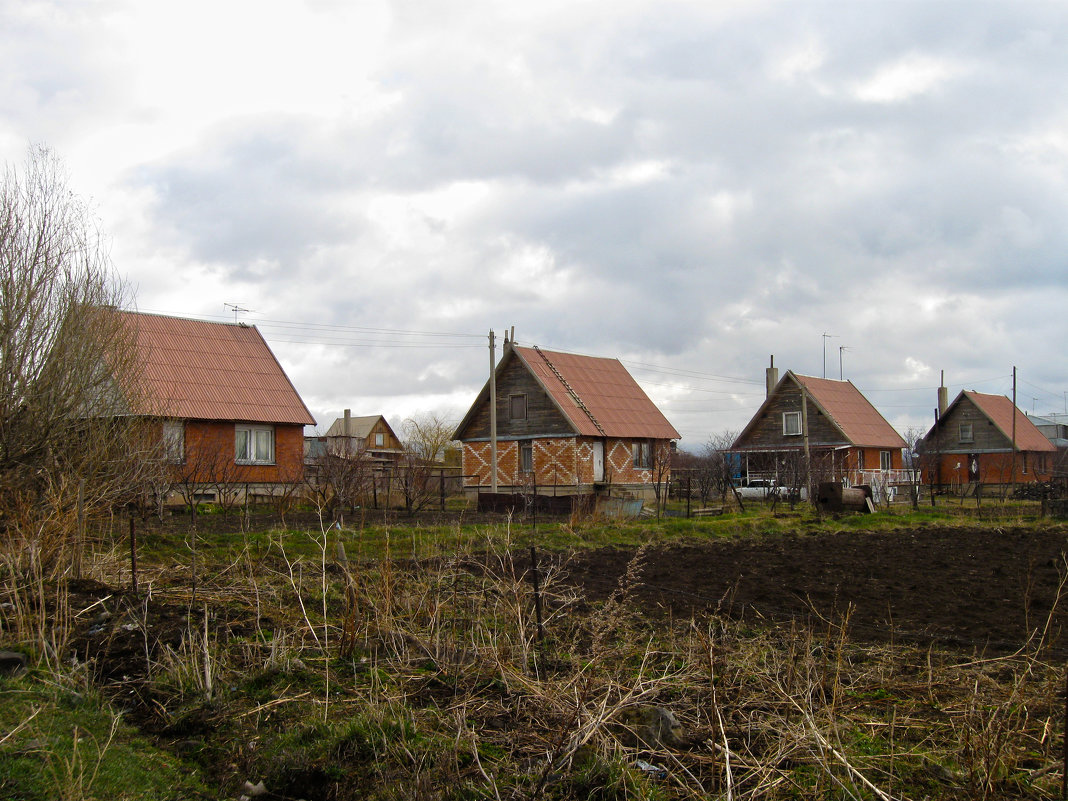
{"x":994,"y":468}
{"x":209,"y":456}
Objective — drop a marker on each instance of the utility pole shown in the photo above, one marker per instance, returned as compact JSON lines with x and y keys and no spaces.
{"x":1013,"y":471}
{"x":804,"y":431}
{"x":493,"y":413}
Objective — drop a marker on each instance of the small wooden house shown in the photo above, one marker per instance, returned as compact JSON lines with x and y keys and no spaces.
{"x":818,"y":429}
{"x":368,"y":436}
{"x":985,"y":439}
{"x":566,"y":424}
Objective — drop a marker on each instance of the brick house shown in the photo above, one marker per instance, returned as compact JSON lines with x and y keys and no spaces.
{"x":229,"y":417}
{"x":974,"y":441}
{"x":566,"y":424}
{"x":846,"y":438}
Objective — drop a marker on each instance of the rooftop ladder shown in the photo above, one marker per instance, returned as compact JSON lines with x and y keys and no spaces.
{"x":574,"y":395}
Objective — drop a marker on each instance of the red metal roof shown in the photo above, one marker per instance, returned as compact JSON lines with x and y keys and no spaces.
{"x":603,"y":399}
{"x":847,"y":408}
{"x":999,"y":410}
{"x":212,"y":371}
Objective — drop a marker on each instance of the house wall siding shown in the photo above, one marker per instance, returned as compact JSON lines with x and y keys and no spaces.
{"x":985,"y":435}
{"x":767,"y":431}
{"x":543,"y":418}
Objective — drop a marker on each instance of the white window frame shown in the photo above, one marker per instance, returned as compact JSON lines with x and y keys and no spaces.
{"x":886,"y":461}
{"x":380,"y":439}
{"x":258,"y":444}
{"x":965,"y":432}
{"x":174,"y":441}
{"x":526,"y":457}
{"x":786,"y":429}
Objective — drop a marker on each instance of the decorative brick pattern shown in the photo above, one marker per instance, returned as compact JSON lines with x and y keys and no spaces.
{"x":557,"y":461}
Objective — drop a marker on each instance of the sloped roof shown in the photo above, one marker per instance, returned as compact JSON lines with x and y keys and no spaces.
{"x":843,"y":405}
{"x":596,"y":395}
{"x":854,"y":414}
{"x":201,"y":370}
{"x":615,"y":406}
{"x":999,"y":410}
{"x":358,"y":426}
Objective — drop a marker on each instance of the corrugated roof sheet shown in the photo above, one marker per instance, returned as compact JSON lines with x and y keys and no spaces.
{"x":615,"y":405}
{"x":212,"y":371}
{"x":851,"y":412}
{"x":999,"y":410}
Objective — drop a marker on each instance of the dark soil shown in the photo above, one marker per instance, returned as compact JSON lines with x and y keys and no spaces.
{"x":977,"y":590}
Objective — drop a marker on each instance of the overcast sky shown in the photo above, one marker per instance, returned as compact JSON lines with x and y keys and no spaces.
{"x":690,"y":187}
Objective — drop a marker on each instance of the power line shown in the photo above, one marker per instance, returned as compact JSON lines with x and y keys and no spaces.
{"x":272,"y":323}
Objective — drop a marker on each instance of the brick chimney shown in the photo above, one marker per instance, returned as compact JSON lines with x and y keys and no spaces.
{"x":771,"y":377}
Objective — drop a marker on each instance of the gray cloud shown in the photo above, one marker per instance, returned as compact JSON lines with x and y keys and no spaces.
{"x":684,"y":185}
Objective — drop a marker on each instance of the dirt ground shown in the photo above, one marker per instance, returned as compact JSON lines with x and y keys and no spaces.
{"x":976,"y":591}
{"x":984,"y":591}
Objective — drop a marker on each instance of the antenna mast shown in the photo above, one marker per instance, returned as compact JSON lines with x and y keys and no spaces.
{"x":237,"y":308}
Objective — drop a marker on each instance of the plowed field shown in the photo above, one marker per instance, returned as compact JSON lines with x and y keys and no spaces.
{"x":980,"y":590}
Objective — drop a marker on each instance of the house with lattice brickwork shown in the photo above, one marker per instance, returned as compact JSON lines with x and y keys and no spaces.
{"x":566,"y":424}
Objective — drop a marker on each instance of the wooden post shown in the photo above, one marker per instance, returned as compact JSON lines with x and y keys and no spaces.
{"x":133,"y":554}
{"x":537,"y":593}
{"x":79,"y":534}
{"x":687,"y":495}
{"x":804,"y":429}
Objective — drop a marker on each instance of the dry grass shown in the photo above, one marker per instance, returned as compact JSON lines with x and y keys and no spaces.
{"x":426,"y":678}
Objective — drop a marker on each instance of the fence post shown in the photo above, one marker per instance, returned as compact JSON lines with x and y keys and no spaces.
{"x":537,"y":592}
{"x":133,"y":553}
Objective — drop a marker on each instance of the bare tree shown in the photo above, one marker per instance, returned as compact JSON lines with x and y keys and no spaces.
{"x":68,"y":368}
{"x":426,"y":438}
{"x":914,"y":463}
{"x":429,"y":435}
{"x":340,"y":480}
{"x":660,"y":454}
{"x":715,"y":470}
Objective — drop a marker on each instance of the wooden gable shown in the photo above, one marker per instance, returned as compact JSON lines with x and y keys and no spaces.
{"x":765,"y":430}
{"x":541,"y":417}
{"x":966,"y":427}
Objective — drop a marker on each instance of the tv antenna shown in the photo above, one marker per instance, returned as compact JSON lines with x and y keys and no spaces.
{"x":237,"y":308}
{"x":841,"y":350}
{"x":826,"y":336}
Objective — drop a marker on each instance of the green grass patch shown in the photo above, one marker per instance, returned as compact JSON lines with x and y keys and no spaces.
{"x":67,"y":743}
